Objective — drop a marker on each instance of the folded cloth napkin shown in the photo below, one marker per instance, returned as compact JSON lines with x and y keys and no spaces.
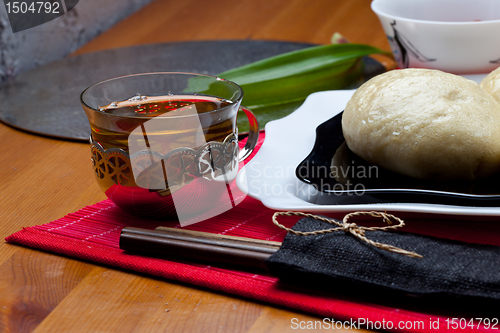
{"x":459,"y":273}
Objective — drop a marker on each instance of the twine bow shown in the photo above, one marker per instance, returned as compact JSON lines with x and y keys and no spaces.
{"x":351,"y":228}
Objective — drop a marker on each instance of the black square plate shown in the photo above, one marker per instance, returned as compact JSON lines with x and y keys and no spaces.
{"x":348,"y":179}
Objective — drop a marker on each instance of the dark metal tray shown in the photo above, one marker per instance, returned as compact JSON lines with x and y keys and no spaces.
{"x":46,"y":100}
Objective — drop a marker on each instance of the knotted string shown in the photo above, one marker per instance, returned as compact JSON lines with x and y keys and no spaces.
{"x":351,"y":228}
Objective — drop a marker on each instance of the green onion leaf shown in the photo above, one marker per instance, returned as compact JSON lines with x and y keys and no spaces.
{"x":276,"y":86}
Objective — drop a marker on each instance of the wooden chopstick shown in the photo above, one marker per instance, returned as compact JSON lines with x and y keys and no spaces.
{"x":217,"y":239}
{"x":199,"y":246}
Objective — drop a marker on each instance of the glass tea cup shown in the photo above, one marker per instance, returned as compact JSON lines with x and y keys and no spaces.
{"x":165,"y":145}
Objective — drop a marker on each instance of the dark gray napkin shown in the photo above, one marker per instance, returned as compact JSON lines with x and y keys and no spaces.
{"x":456,"y":270}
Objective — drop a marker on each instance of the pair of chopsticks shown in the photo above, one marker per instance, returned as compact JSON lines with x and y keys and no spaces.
{"x":199,"y":246}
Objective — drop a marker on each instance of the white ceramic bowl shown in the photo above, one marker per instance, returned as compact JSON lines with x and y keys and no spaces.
{"x":456,"y":36}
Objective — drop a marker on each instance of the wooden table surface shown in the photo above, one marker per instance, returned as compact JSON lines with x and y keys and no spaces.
{"x":43,"y":179}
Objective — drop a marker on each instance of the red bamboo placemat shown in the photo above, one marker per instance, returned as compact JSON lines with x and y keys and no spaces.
{"x":92,"y":233}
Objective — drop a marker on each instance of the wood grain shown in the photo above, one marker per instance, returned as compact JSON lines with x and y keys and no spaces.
{"x":32,"y":284}
{"x":42,"y":179}
{"x":287,"y":20}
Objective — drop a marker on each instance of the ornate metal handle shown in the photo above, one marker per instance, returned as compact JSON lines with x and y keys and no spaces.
{"x":253,"y":135}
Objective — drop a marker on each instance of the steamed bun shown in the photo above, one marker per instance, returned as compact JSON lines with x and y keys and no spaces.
{"x":425,"y":124}
{"x":491,"y":83}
